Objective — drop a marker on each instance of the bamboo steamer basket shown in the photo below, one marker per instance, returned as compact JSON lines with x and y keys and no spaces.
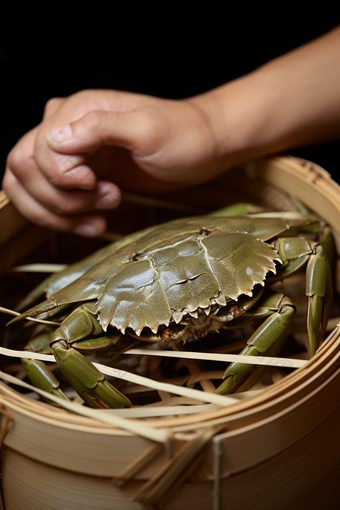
{"x":277,"y":448}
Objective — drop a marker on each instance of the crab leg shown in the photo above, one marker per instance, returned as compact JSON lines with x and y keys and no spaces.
{"x":87,"y":381}
{"x":267,"y":340}
{"x":42,"y":377}
{"x":294,"y":253}
{"x":319,"y":292}
{"x":38,"y":373}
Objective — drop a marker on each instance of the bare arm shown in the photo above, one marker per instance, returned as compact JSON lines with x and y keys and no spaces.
{"x":94,"y":143}
{"x":291,"y":101}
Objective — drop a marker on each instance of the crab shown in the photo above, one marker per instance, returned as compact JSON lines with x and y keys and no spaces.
{"x":180,"y":280}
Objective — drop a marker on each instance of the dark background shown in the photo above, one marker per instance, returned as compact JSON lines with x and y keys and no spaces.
{"x":149,"y":50}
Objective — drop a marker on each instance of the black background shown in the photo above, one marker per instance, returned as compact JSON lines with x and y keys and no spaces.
{"x":158,"y":51}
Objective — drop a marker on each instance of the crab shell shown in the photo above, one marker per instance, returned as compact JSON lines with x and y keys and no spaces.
{"x":175,"y":269}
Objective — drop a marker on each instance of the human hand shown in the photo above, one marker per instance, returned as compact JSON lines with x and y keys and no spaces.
{"x":96,"y":142}
{"x":90,"y":145}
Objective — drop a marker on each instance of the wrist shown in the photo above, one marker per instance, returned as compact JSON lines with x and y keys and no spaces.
{"x":233,"y":115}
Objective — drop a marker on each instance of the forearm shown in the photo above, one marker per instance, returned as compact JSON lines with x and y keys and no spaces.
{"x":293,"y":100}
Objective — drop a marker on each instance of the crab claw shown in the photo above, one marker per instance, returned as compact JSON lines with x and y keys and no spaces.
{"x":87,"y":380}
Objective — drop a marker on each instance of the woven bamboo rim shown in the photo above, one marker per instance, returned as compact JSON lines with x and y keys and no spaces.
{"x":57,"y":438}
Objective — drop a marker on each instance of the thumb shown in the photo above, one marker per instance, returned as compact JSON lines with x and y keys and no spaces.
{"x":96,"y":129}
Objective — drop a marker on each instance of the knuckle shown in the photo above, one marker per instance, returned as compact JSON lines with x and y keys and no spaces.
{"x":69,"y":203}
{"x":17,"y":162}
{"x":13,"y":159}
{"x":85,"y":95}
{"x":94,"y":120}
{"x":83,"y":101}
{"x":62,"y":171}
{"x":70,"y":175}
{"x":52,"y":104}
{"x":56,"y":179}
{"x":82,"y":94}
{"x":66,"y":164}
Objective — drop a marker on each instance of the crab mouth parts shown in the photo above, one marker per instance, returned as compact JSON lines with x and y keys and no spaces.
{"x":200,"y":324}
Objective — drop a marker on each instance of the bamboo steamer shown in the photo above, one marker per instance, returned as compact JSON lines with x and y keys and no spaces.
{"x":277,"y":448}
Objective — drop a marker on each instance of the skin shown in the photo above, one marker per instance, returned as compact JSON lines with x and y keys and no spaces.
{"x":94,"y":143}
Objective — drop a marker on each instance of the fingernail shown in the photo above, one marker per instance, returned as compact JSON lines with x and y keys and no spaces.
{"x":109,"y":196}
{"x":87,"y":230}
{"x":58,"y":135}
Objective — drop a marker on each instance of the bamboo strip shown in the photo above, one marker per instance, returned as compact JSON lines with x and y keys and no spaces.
{"x":306,"y":376}
{"x":204,"y":381}
{"x":275,"y":397}
{"x":138,"y":464}
{"x":122,"y":374}
{"x":117,"y":421}
{"x":308,"y":185}
{"x":231,"y":358}
{"x":32,"y":319}
{"x":157,"y":486}
{"x":39,"y":268}
{"x":181,"y":405}
{"x":281,"y":389}
{"x":298,"y":409}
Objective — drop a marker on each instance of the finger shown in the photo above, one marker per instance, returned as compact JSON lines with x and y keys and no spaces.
{"x":78,"y":175}
{"x":85,"y":136}
{"x":98,"y":128}
{"x":88,"y":225}
{"x":105,"y":196}
{"x":63,"y":171}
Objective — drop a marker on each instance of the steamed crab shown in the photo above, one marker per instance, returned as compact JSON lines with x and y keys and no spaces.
{"x":183,"y":279}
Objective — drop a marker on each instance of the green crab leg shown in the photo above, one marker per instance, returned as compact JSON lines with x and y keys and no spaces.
{"x":238,"y":209}
{"x":42,"y":377}
{"x":37,"y":372}
{"x":294,"y":253}
{"x":319,"y":292}
{"x":87,"y":381}
{"x":326,"y":240}
{"x":267,"y":340}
